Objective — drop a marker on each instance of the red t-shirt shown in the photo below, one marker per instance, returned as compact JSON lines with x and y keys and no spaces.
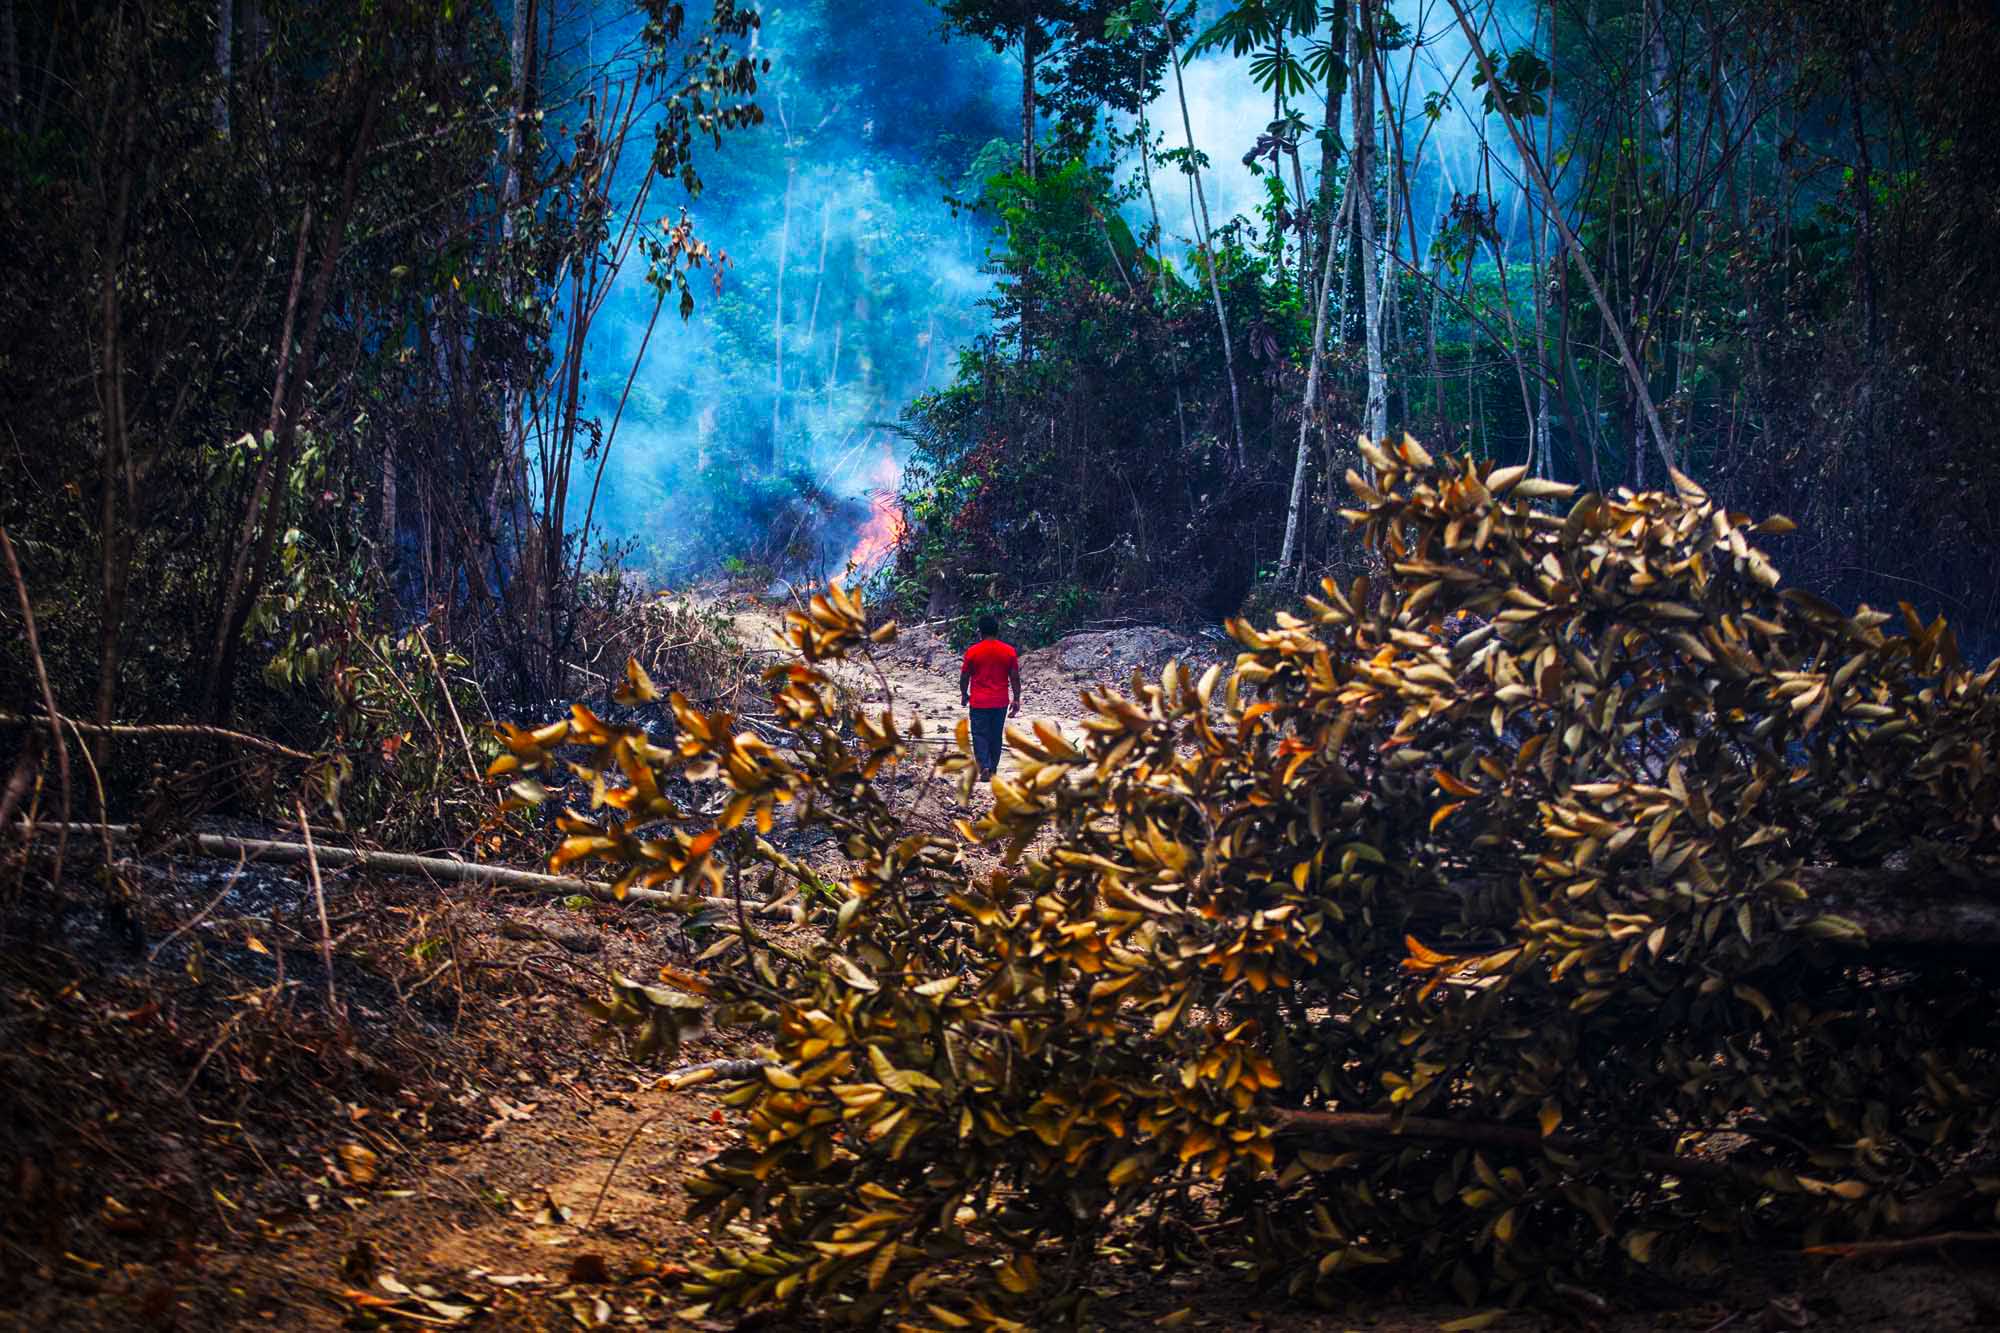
{"x":989,"y":662}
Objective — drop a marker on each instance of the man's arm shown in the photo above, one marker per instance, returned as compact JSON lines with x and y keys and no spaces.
{"x":1014,"y":682}
{"x":965,"y":684}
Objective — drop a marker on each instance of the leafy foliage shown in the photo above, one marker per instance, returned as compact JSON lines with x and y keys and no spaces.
{"x":1459,"y":930}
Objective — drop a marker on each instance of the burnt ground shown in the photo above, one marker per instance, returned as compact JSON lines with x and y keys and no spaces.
{"x":193,"y":1135}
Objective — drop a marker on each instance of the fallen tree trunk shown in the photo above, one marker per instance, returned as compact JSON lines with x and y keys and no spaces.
{"x":269,"y":852}
{"x":1909,"y":907}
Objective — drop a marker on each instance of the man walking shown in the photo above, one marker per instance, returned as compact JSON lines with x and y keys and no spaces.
{"x":989,"y":685}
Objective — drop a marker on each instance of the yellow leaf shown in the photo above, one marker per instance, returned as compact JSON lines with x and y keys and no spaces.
{"x":1484,"y":1319}
{"x":1551,"y":1116}
{"x":1125,"y":1169}
{"x":357,"y":1161}
{"x":1453,"y":785}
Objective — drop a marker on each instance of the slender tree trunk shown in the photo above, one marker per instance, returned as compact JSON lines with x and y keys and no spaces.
{"x":1308,"y":409}
{"x":1330,"y":145}
{"x":386,"y":531}
{"x":1865,"y":194}
{"x":1030,"y":40}
{"x":225,"y":15}
{"x":819,"y":269}
{"x":523,"y":45}
{"x":1210,"y":258}
{"x":115,"y":474}
{"x":1363,"y":181}
{"x":1498,"y":244}
{"x":778,"y":320}
{"x":1538,"y":275}
{"x":1160,"y":260}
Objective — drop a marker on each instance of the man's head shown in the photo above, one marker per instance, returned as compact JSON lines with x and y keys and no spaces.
{"x":989,"y":626}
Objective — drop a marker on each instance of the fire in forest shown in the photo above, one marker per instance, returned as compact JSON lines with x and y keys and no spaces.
{"x":876,"y":542}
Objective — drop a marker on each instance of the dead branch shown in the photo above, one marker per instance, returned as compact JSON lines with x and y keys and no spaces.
{"x":163,"y":729}
{"x":1381,"y":1124}
{"x":432,"y":867}
{"x":54,"y":719}
{"x":319,"y":902}
{"x":471,"y":764}
{"x":1898,"y":1249}
{"x":1899,"y":907}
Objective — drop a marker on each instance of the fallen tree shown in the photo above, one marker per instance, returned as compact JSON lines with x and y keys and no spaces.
{"x":1566,"y":900}
{"x":269,"y":852}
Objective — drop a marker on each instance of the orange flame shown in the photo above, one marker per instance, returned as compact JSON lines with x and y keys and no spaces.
{"x":878,"y":537}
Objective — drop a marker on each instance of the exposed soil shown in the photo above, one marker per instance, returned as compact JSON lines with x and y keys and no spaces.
{"x":184,"y":1142}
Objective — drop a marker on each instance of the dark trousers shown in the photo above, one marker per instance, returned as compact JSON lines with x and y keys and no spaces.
{"x":989,"y":736}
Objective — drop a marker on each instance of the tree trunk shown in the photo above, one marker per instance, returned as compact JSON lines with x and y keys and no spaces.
{"x":387,"y":531}
{"x":268,"y":852}
{"x":819,"y":269}
{"x":778,"y":318}
{"x":1898,"y":906}
{"x":1030,"y":39}
{"x":1864,"y":251}
{"x":1209,"y":257}
{"x":225,"y":15}
{"x":1363,"y":181}
{"x":1160,"y":255}
{"x":115,"y":471}
{"x":1336,"y":107}
{"x":1307,"y":410}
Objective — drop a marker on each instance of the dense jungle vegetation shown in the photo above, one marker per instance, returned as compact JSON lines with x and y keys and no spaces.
{"x":1544,"y":904}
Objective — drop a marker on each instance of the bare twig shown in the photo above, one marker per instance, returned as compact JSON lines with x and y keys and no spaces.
{"x":162,"y":729}
{"x":709,"y":1068}
{"x":96,"y":782}
{"x":1897,"y":1249}
{"x":209,"y":1054}
{"x":619,"y":1161}
{"x":48,"y":697}
{"x":202,"y":915}
{"x":319,"y":903}
{"x":444,"y":688}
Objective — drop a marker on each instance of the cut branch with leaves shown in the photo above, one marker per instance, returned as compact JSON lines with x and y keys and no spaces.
{"x":1211,"y":949}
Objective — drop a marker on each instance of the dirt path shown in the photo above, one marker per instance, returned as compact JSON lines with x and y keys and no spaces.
{"x":506,"y":1228}
{"x":918,"y":679}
